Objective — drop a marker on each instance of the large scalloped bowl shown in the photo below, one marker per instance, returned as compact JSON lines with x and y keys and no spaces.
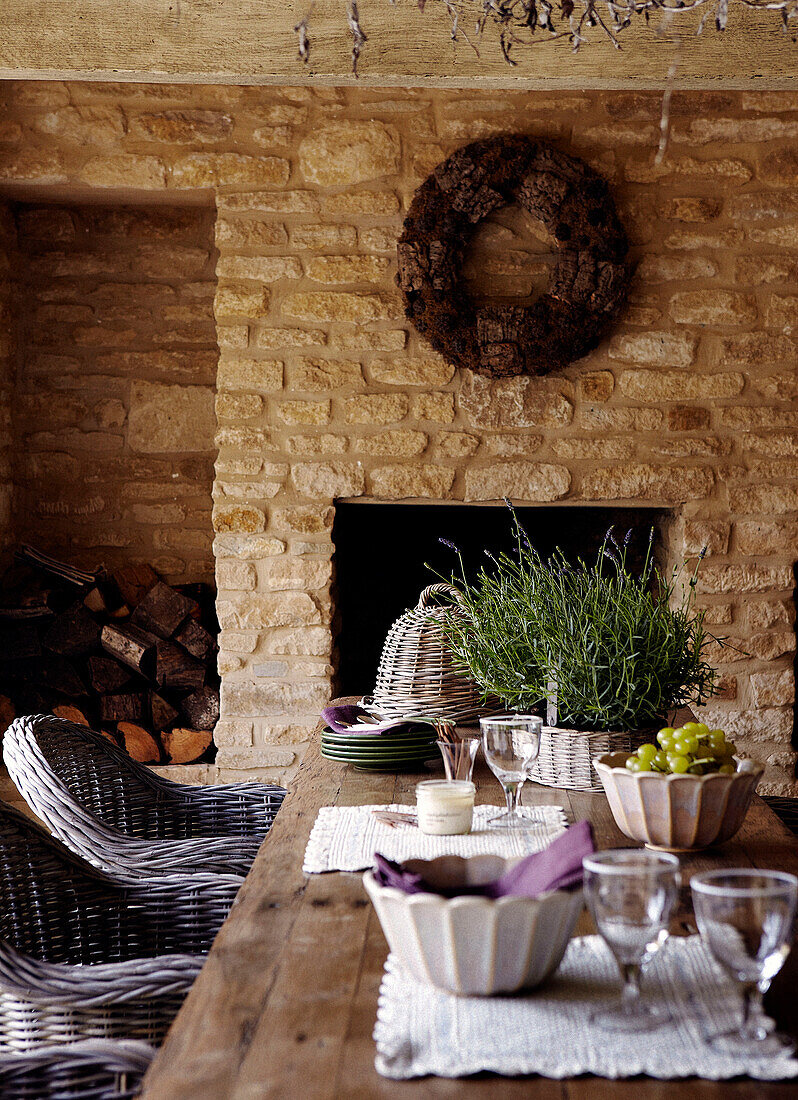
{"x":474,"y":946}
{"x":677,"y":813}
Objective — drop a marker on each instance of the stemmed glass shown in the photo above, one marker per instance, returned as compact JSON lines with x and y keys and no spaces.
{"x":511,"y":744}
{"x":630,"y":893}
{"x":745,"y":918}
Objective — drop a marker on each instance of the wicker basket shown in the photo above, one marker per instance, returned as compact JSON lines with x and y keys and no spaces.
{"x":566,"y":756}
{"x":417,"y":676}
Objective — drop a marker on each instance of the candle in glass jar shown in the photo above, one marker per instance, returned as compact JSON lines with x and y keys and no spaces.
{"x":445,"y":806}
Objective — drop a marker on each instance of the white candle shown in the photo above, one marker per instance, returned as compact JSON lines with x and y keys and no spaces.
{"x":445,"y":806}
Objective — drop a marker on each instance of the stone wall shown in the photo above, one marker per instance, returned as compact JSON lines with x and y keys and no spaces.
{"x":325,"y":392}
{"x":116,"y":368}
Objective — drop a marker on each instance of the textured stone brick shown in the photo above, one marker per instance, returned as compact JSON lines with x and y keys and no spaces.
{"x":521,"y":402}
{"x":170,"y":418}
{"x":347,"y":269}
{"x":236,"y":575}
{"x":275,"y":609}
{"x":328,"y":306}
{"x":762,"y":270}
{"x":238,"y":406}
{"x":780,"y":167}
{"x":738,"y":579}
{"x":238,"y":519}
{"x":265,"y":269}
{"x":758,"y":537}
{"x":43,"y":166}
{"x":181,"y":127}
{"x":456,"y":444}
{"x":349,"y":152}
{"x":710,"y":534}
{"x":384,"y":340}
{"x":512,"y":445}
{"x":362,"y":202}
{"x":649,"y":385}
{"x":269,"y":202}
{"x":84,"y":125}
{"x":249,"y":374}
{"x":287,"y":338}
{"x":314,"y":237}
{"x":653,"y":483}
{"x":656,"y":349}
{"x":376,"y":408}
{"x":247,"y":546}
{"x":244,"y":439}
{"x":742,"y":416}
{"x":404,"y":482}
{"x":412,"y":371}
{"x":316,"y":375}
{"x":772,"y":689}
{"x":604,"y":419}
{"x":304,"y":412}
{"x":325,"y":444}
{"x":435,"y":406}
{"x":782,"y":313}
{"x":663,"y":269}
{"x":597,"y":385}
{"x":124,"y":170}
{"x":377,"y":240}
{"x":241,"y":300}
{"x":764,"y":499}
{"x":523,"y":481}
{"x":764,"y":615}
{"x":687,"y":418}
{"x":712,"y":307}
{"x":692,"y":208}
{"x":328,"y":480}
{"x":251,"y":235}
{"x":225,"y":169}
{"x":398,"y":443}
{"x":304,"y":521}
{"x":296,"y":574}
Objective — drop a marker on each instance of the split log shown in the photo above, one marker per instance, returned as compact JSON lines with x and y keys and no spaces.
{"x":202,"y":708}
{"x":161,"y":712}
{"x":7,"y":713}
{"x":131,"y":645}
{"x":139,"y":743}
{"x":184,"y":746}
{"x":134,"y":582}
{"x":162,"y":610}
{"x":74,"y":633}
{"x":196,"y":639}
{"x":121,"y":708}
{"x":174,"y":668}
{"x":71,"y":714}
{"x":107,"y":676}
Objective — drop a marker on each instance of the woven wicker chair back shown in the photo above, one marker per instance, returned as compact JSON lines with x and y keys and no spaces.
{"x":93,"y":1069}
{"x":417,"y":675}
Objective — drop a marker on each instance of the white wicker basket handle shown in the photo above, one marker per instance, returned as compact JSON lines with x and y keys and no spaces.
{"x":434,"y":592}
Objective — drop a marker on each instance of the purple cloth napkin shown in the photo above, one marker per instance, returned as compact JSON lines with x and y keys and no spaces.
{"x":339,"y":719}
{"x":557,"y":867}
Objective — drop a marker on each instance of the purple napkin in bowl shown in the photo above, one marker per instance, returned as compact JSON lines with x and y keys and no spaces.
{"x":558,"y":867}
{"x":341,"y":720}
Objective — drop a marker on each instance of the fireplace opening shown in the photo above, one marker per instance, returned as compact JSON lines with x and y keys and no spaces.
{"x":113,"y":426}
{"x":385,"y":554}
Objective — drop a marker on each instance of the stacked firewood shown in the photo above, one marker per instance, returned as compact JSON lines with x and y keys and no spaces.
{"x":125,"y":654}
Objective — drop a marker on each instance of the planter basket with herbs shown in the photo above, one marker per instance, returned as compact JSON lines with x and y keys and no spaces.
{"x":603,"y":653}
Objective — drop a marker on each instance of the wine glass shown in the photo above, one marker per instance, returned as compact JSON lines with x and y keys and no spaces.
{"x":630,"y":893}
{"x":511,"y":743}
{"x":745,"y":918}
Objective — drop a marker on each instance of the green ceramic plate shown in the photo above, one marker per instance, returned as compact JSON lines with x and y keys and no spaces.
{"x":351,"y":757}
{"x":378,"y":746}
{"x":381,"y":739}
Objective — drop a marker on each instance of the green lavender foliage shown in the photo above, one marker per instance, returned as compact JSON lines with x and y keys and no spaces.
{"x":623,"y":649}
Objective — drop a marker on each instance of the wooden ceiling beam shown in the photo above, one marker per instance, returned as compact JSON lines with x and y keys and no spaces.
{"x":253,"y":42}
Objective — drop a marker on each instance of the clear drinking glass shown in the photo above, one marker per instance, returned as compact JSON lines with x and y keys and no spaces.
{"x":511,"y":744}
{"x":630,"y":893}
{"x":459,"y":756}
{"x":745,"y":918}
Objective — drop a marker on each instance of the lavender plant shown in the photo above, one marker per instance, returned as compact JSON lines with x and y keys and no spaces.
{"x":613,"y":650}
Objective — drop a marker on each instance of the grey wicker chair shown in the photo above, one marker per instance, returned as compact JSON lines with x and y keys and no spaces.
{"x":92,"y":1069}
{"x":121,"y":816}
{"x":84,"y":955}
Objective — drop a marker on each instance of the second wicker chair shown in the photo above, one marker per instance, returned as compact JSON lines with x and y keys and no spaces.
{"x":124,"y":818}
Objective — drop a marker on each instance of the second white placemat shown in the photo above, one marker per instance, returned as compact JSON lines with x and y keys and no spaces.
{"x":345,"y":838}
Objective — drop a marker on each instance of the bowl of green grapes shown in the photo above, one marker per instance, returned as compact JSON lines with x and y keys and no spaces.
{"x":686,"y":791}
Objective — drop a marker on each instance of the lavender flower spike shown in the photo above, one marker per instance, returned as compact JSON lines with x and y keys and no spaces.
{"x":448,"y":543}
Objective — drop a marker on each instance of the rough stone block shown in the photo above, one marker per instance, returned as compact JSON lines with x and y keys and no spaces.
{"x":403,"y":482}
{"x":347,"y":269}
{"x":343,"y":153}
{"x":740,"y":579}
{"x":241,"y":300}
{"x":412,"y":371}
{"x":656,"y":349}
{"x":455,"y":444}
{"x":328,"y":480}
{"x":357,"y":309}
{"x":124,"y":170}
{"x":249,"y":374}
{"x":181,"y":127}
{"x":597,"y":385}
{"x":303,"y":412}
{"x":764,"y":499}
{"x":376,"y":408}
{"x":399,"y":443}
{"x":316,"y":375}
{"x":226,"y":169}
{"x":236,"y":575}
{"x":651,"y":385}
{"x":712,"y":307}
{"x":667,"y":484}
{"x":287,"y":338}
{"x":435,"y":406}
{"x":521,"y":402}
{"x":250,"y":235}
{"x":315,"y":237}
{"x":712,"y":534}
{"x":522,"y":481}
{"x":238,"y":406}
{"x":170,"y":419}
{"x":303,"y":521}
{"x":773,"y":689}
{"x":267,"y":269}
{"x":238,"y":519}
{"x":292,"y":573}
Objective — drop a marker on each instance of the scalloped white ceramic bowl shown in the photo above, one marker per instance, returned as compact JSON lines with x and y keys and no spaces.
{"x":474,"y":946}
{"x":677,"y":813}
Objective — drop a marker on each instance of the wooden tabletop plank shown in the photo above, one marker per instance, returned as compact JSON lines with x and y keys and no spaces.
{"x":286,"y":1002}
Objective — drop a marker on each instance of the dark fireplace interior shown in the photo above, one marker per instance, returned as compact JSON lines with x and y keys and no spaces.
{"x":385,"y":554}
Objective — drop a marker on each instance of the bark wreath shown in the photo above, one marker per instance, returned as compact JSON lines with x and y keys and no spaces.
{"x":588,"y":284}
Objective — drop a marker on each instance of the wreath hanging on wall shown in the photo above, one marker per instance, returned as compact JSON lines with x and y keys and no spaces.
{"x":588,"y":284}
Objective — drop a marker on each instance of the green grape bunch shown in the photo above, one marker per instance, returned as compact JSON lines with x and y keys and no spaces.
{"x":692,"y":749}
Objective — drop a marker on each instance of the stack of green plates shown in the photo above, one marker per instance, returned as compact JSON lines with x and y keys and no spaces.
{"x":385,"y":752}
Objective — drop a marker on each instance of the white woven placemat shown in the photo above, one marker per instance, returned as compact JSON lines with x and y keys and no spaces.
{"x":345,"y":838}
{"x":421,"y":1030}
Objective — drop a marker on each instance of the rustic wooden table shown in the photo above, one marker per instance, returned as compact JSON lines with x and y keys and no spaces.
{"x":286,"y":1002}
